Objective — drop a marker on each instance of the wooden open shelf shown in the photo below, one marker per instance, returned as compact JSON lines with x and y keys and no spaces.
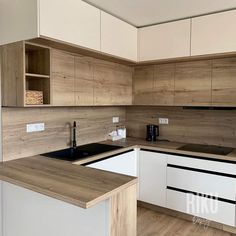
{"x":39,"y":84}
{"x":37,"y":59}
{"x":37,"y":75}
{"x":26,"y":70}
{"x":37,"y":71}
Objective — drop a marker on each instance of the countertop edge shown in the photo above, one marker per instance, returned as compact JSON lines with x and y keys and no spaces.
{"x":111,"y":193}
{"x":63,"y":198}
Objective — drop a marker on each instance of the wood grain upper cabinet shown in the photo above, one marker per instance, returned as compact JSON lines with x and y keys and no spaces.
{"x":72,"y":21}
{"x":83,"y":81}
{"x":213,"y":33}
{"x":118,"y":38}
{"x":143,"y":85}
{"x":154,"y":85}
{"x":193,"y":83}
{"x":169,"y":40}
{"x":112,"y":83}
{"x":164,"y":85}
{"x":63,"y":78}
{"x":224,"y":82}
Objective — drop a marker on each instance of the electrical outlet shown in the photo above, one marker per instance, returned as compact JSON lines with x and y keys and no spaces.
{"x":35,"y":127}
{"x":163,"y":121}
{"x":115,"y":120}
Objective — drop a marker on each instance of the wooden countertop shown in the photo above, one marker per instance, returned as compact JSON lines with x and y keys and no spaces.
{"x":77,"y":185}
{"x":162,"y":146}
{"x":82,"y":186}
{"x":170,"y":147}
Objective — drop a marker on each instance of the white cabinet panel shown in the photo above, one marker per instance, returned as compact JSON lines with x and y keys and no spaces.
{"x":223,"y":187}
{"x":169,"y":40}
{"x":72,"y":21}
{"x":27,"y":213}
{"x":123,"y":164}
{"x":214,"y":33}
{"x":202,"y":163}
{"x":207,"y":208}
{"x":118,"y":38}
{"x":152,"y":178}
{"x":18,"y":20}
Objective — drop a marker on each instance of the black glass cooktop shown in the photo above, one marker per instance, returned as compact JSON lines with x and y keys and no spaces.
{"x":211,"y":149}
{"x":88,"y":150}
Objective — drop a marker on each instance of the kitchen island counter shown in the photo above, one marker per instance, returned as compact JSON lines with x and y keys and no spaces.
{"x":74,"y":184}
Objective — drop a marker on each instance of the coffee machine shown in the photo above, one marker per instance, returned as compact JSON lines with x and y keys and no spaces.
{"x":152,"y":133}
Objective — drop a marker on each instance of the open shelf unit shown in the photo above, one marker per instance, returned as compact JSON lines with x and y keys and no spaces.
{"x":37,"y":74}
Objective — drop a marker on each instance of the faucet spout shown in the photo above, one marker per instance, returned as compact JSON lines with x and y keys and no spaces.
{"x":74,"y":142}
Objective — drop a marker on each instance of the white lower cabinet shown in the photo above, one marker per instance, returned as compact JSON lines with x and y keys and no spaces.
{"x":199,"y":187}
{"x":125,"y":163}
{"x":203,"y":188}
{"x":27,"y":213}
{"x":207,"y":208}
{"x":152,"y":177}
{"x":205,"y":183}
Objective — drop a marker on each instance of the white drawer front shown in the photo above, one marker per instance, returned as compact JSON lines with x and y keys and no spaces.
{"x":207,"y":208}
{"x":210,"y":184}
{"x":202,"y":164}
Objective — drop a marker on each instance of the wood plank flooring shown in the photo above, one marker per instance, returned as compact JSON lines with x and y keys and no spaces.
{"x":151,"y":223}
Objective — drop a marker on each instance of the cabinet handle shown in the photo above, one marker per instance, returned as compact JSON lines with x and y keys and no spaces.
{"x":201,"y":171}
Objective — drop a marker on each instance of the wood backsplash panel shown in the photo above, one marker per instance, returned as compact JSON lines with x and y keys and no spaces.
{"x":94,"y":124}
{"x":215,"y":127}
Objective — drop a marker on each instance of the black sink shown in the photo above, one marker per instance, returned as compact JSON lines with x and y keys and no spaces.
{"x":80,"y":152}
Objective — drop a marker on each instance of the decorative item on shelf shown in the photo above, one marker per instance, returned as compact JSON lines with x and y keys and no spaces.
{"x":33,"y":97}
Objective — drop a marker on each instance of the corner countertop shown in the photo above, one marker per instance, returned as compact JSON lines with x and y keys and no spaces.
{"x":170,"y":147}
{"x":83,"y":186}
{"x":74,"y":184}
{"x":162,"y":146}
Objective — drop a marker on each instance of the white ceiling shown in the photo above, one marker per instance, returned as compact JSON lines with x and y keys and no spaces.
{"x":147,"y":12}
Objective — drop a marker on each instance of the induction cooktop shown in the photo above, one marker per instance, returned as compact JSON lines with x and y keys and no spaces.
{"x":210,"y":149}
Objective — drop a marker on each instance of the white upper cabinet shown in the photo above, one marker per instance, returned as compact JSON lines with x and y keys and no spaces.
{"x":163,"y":41}
{"x":72,"y":21}
{"x":213,"y":33}
{"x":118,"y":38}
{"x":18,"y":20}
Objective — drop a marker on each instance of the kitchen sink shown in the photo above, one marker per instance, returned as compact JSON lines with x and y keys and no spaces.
{"x":71,"y":154}
{"x":210,"y":149}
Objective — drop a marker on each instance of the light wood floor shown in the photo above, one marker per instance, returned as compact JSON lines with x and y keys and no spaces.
{"x":151,"y":223}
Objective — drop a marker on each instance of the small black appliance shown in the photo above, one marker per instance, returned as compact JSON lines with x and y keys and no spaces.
{"x":152,"y":133}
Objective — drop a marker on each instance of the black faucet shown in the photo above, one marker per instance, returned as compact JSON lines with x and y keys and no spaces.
{"x":74,"y":143}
